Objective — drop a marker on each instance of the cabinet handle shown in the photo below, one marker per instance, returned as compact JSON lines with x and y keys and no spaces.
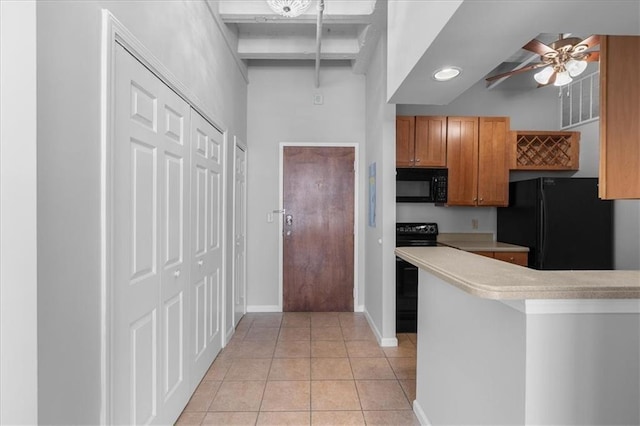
{"x":417,"y":160}
{"x":200,"y":262}
{"x":475,"y":199}
{"x":176,"y":273}
{"x":481,"y":199}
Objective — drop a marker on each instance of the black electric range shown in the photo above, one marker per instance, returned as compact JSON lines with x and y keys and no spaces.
{"x":410,"y":235}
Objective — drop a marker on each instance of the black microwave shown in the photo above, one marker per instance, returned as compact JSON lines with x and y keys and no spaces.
{"x":418,"y":185}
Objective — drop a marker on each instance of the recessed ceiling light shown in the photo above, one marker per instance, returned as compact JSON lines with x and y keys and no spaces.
{"x":446,"y":73}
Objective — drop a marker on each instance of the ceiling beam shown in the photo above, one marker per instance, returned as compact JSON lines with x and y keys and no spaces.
{"x":302,"y":19}
{"x":336,"y":47}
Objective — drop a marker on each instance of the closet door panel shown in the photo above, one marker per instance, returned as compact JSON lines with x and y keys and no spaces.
{"x":206,"y":266}
{"x":150,"y":231}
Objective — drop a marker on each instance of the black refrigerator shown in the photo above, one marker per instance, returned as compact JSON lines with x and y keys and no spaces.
{"x":562,"y":221}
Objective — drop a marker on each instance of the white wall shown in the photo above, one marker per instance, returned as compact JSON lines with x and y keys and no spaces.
{"x":380,"y":240}
{"x":583,"y":369}
{"x":472,"y":357}
{"x":281,"y":109}
{"x":409,"y":36}
{"x":18,"y":257}
{"x":184,"y":37}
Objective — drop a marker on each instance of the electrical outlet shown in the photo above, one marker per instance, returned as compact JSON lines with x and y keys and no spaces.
{"x":474,"y":223}
{"x":318,"y":99}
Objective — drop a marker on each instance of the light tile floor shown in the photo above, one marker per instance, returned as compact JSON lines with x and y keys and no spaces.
{"x":301,"y":368}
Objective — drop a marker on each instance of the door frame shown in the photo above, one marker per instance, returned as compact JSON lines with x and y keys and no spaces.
{"x":239,"y":143}
{"x":115,"y":33}
{"x":356,"y":213}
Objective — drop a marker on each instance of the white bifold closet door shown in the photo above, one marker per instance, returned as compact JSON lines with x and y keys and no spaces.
{"x":163,"y":316}
{"x":206,"y":243}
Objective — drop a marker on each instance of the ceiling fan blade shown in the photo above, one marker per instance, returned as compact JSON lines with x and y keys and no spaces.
{"x":592,"y":56}
{"x":518,"y":71}
{"x":588,"y":43}
{"x":539,"y":48}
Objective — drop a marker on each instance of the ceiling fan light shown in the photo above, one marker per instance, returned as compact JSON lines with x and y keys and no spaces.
{"x":289,"y":8}
{"x":575,"y":68}
{"x":542,"y":77}
{"x":447,"y":73}
{"x":562,"y":78}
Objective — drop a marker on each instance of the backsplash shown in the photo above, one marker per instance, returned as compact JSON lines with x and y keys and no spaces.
{"x":449,"y":219}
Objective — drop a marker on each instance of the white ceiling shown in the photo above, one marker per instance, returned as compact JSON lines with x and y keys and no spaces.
{"x":478,"y":37}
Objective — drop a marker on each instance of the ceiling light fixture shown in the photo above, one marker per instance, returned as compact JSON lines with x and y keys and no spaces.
{"x":289,"y":8}
{"x":447,"y":73}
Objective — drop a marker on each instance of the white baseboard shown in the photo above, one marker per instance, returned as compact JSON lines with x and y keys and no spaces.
{"x":359,"y":308}
{"x":382,"y":341}
{"x":419,"y":412}
{"x":264,"y":308}
{"x":229,"y":335}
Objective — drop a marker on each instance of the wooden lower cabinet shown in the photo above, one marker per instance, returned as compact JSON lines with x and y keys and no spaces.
{"x":485,"y":253}
{"x":516,"y":257}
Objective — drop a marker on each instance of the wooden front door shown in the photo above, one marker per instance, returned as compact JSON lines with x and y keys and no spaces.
{"x":318,"y":198}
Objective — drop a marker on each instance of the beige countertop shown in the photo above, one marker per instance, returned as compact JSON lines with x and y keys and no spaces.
{"x":477,"y":242}
{"x":493,"y":279}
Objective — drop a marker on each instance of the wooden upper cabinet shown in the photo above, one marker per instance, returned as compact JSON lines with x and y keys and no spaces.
{"x":619,"y":117}
{"x":421,"y":141}
{"x":477,"y":161}
{"x":462,"y":161}
{"x":405,"y":141}
{"x":431,"y":142}
{"x":493,"y":167}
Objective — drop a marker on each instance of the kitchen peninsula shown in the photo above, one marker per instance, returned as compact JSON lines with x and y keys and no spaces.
{"x":502,"y":344}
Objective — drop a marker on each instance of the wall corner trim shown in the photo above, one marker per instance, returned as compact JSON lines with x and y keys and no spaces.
{"x":382,"y":341}
{"x":419,"y":412}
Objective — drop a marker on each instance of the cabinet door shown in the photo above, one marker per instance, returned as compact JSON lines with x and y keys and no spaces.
{"x":405,"y":141}
{"x":484,"y":253}
{"x":462,"y":160}
{"x":493,"y":170}
{"x":619,"y":112}
{"x":516,"y":257}
{"x":431,"y":142}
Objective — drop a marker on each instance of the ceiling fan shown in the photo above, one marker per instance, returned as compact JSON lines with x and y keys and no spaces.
{"x":560,"y":61}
